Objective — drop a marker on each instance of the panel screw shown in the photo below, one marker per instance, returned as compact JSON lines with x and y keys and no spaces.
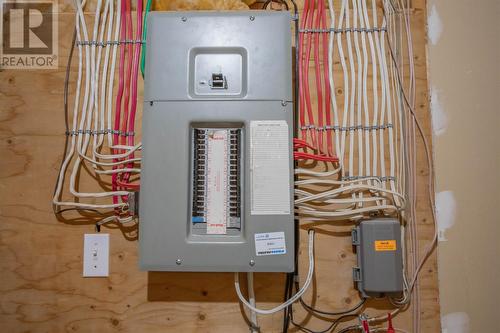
{"x":252,"y":262}
{"x":184,"y":19}
{"x":252,"y":18}
{"x":283,"y":103}
{"x":178,"y":261}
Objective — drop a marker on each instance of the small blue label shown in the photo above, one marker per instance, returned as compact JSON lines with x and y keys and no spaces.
{"x":198,"y":219}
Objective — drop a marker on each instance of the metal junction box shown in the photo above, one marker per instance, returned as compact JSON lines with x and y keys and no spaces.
{"x":380,"y":266}
{"x":217,"y":169}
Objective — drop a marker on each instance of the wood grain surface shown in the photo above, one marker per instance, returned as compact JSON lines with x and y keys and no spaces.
{"x":41,"y":284}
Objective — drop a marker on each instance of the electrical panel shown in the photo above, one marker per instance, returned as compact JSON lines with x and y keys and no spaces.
{"x":217,"y":168}
{"x":380,"y":266}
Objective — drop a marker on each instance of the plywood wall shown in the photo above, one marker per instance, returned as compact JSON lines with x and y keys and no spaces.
{"x":41,"y":284}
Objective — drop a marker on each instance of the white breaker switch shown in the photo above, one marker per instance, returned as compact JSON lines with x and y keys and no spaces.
{"x":96,"y":255}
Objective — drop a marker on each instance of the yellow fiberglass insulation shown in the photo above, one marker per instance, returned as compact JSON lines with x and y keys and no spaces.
{"x":202,"y":4}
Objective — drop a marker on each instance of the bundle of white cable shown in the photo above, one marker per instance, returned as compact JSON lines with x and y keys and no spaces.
{"x":385,"y":179}
{"x":93,"y":108}
{"x":294,"y":298}
{"x":367,"y":193}
{"x":75,"y":143}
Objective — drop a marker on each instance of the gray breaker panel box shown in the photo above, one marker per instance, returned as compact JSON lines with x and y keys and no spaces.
{"x":214,"y":70}
{"x":380,"y":266}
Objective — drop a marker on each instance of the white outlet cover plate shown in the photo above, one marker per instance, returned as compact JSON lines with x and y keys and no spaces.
{"x":96,"y":255}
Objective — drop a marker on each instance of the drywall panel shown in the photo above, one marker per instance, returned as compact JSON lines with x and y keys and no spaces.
{"x":464,"y":73}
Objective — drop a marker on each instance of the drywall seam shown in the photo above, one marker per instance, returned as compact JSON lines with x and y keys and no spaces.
{"x":455,"y":322}
{"x":446,"y":207}
{"x":434,"y":26}
{"x":439,"y":118}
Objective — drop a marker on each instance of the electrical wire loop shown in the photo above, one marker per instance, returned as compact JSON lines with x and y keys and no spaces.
{"x":342,"y":30}
{"x":109,"y":42}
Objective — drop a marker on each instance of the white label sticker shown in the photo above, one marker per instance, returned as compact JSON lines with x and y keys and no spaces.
{"x":270,"y":243}
{"x":217,"y":182}
{"x":270,"y":167}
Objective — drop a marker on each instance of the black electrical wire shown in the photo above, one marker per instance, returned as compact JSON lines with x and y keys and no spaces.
{"x":348,"y":313}
{"x":336,"y":313}
{"x":280,"y":1}
{"x":349,"y":328}
{"x":343,"y":315}
{"x":290,"y":277}
{"x":286,"y":311}
{"x":331,"y":327}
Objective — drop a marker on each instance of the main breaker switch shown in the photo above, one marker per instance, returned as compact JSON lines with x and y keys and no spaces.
{"x":218,"y":81}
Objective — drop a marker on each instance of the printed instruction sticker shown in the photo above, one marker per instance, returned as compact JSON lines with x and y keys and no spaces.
{"x":270,"y":243}
{"x":270,"y":167}
{"x":385,"y":245}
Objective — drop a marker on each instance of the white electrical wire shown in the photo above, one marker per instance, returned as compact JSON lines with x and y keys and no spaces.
{"x":96,"y":102}
{"x":111,"y":81}
{"x":359,"y":92}
{"x":336,"y":213}
{"x":254,"y":327}
{"x":363,"y":25}
{"x":331,"y":63}
{"x":346,"y":84}
{"x":371,"y":153}
{"x":329,"y":193}
{"x":114,"y":171}
{"x":294,"y":298}
{"x":389,"y":151}
{"x":102,"y":105}
{"x":86,"y":115}
{"x":69,"y":156}
{"x":352,"y":99}
{"x":116,"y":219}
{"x":98,"y":123}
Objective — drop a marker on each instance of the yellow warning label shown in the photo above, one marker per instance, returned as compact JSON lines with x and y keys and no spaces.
{"x":385,"y":245}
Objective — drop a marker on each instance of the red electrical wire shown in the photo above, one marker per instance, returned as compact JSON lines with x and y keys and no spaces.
{"x":130,"y":107}
{"x":302,"y":144}
{"x":390,"y":328}
{"x":300,"y":49}
{"x":135,"y":74}
{"x":306,"y":156}
{"x":366,"y":326}
{"x":298,"y":143}
{"x":317,"y":74}
{"x":305,"y":69}
{"x":314,"y":17}
{"x":129,"y":185}
{"x":128,"y":74}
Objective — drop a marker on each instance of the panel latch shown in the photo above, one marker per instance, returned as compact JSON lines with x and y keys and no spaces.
{"x":356,"y":274}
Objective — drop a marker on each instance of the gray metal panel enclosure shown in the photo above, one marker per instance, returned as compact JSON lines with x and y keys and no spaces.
{"x":380,"y":266}
{"x":252,"y":52}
